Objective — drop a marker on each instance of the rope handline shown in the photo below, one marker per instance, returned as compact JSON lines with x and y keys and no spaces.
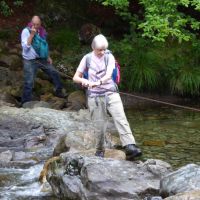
{"x":135,"y":96}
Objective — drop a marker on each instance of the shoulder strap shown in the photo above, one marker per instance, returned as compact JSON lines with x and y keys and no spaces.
{"x":89,"y":57}
{"x":106,"y":57}
{"x":88,"y":60}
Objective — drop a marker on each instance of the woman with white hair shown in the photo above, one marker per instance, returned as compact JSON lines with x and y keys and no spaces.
{"x":103,"y":96}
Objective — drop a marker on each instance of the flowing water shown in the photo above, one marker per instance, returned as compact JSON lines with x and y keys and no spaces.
{"x":22,"y":184}
{"x":169,"y":134}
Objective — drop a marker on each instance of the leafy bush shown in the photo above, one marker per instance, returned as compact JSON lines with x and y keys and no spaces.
{"x":168,"y":67}
{"x":64,"y":39}
{"x":6,"y":10}
{"x":138,"y":64}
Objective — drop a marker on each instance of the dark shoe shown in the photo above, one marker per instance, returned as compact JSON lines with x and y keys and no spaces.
{"x":99,"y":153}
{"x":132,"y":150}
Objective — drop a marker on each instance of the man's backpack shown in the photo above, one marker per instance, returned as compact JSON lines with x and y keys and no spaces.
{"x":116,"y":70}
{"x":40,"y":46}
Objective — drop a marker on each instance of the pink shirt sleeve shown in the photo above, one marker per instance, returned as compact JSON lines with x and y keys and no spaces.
{"x":82,"y":65}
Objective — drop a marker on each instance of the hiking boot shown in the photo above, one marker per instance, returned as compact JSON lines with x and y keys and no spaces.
{"x":60,"y":94}
{"x":132,"y":151}
{"x":99,"y":153}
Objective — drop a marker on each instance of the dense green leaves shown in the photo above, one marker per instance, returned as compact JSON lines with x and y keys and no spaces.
{"x":6,"y":10}
{"x":161,"y":18}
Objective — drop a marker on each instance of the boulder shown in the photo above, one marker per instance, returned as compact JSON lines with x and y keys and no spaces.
{"x":36,"y":104}
{"x":6,"y":156}
{"x":192,"y":195}
{"x":54,"y":102}
{"x":76,"y":101}
{"x":7,"y":99}
{"x":10,"y":78}
{"x":14,"y":62}
{"x":75,"y":176}
{"x":185,"y":179}
{"x":80,"y":140}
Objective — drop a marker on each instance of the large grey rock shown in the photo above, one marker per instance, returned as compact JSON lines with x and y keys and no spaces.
{"x":7,"y":99}
{"x":6,"y":156}
{"x":75,"y":176}
{"x":36,"y":104}
{"x":38,"y":130}
{"x":184,"y":179}
{"x":192,"y":195}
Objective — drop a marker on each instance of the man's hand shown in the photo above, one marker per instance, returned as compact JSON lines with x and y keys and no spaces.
{"x":33,"y":31}
{"x":32,"y":34}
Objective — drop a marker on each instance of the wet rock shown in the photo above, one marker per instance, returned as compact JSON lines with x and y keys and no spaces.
{"x":21,"y":155}
{"x":76,"y":101}
{"x":43,"y":86}
{"x":43,"y":173}
{"x":7,"y":99}
{"x":115,"y":154}
{"x":81,"y":177}
{"x":36,"y":104}
{"x":13,"y":61}
{"x":36,"y":141}
{"x":158,"y":167}
{"x":185,"y":179}
{"x":55,"y":102}
{"x":60,"y":146}
{"x":10,"y":81}
{"x":109,"y":153}
{"x":192,"y":195}
{"x":78,"y":141}
{"x":6,"y":156}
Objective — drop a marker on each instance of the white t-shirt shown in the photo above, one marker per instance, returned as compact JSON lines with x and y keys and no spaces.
{"x":96,"y":71}
{"x":28,"y":51}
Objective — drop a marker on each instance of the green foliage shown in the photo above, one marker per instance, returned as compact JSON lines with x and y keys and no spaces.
{"x":61,"y":11}
{"x":138,"y":64}
{"x":64,"y":39}
{"x":18,"y":3}
{"x":66,"y":42}
{"x":162,"y":19}
{"x":6,"y":10}
{"x":168,"y":67}
{"x":186,"y":81}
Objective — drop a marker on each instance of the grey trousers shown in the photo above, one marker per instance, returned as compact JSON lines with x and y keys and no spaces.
{"x":98,"y":107}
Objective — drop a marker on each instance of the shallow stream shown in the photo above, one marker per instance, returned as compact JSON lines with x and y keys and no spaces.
{"x":169,"y":134}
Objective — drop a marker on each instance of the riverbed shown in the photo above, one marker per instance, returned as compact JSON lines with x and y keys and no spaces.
{"x":169,"y":134}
